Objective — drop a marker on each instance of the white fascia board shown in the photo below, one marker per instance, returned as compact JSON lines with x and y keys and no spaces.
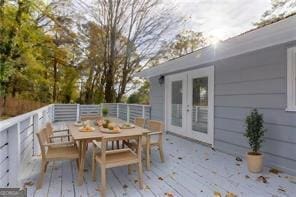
{"x":270,"y":35}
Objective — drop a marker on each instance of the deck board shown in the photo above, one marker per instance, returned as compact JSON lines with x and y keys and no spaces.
{"x":190,"y":169}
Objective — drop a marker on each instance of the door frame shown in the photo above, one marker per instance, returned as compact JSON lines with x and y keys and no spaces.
{"x":169,"y":79}
{"x":209,"y":71}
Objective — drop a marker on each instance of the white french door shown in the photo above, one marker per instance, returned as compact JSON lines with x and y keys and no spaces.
{"x":190,"y":104}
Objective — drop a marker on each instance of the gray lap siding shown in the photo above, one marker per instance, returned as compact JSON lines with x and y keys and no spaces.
{"x":253,"y":80}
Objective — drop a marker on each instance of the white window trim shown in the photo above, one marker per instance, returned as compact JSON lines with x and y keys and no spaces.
{"x":291,"y":79}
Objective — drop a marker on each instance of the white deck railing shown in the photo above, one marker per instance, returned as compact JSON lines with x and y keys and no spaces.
{"x":127,"y":112}
{"x":18,"y":142}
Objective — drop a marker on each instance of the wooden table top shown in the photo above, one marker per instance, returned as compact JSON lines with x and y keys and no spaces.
{"x":97,"y":134}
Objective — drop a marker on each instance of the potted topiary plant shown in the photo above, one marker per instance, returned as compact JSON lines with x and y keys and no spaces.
{"x":255,"y":132}
{"x":105,"y":112}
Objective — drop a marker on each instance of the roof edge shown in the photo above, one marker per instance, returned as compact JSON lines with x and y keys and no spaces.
{"x":267,"y":36}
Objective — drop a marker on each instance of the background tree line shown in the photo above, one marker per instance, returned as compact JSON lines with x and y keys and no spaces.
{"x":55,"y":52}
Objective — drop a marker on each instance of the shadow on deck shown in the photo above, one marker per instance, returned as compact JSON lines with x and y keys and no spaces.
{"x":190,"y":169}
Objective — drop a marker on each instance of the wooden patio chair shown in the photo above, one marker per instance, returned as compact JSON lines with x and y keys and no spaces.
{"x":115,"y":158}
{"x":140,"y":122}
{"x":57,"y":134}
{"x":52,"y":152}
{"x":156,"y":128}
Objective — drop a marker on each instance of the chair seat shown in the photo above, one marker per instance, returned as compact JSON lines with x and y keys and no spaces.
{"x":144,"y":142}
{"x":66,"y":152}
{"x":118,"y":158}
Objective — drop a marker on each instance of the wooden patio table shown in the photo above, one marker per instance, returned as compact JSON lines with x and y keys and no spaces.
{"x":84,"y":137}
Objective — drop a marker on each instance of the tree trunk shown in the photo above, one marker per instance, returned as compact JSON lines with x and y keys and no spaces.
{"x":54,"y":93}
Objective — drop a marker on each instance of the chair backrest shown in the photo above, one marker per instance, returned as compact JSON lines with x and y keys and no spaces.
{"x":105,"y":140}
{"x":49,"y":129}
{"x":140,"y":122}
{"x":155,"y":125}
{"x":43,"y":139}
{"x":89,"y":117}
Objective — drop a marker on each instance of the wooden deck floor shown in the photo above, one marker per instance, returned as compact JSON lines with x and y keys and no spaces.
{"x":190,"y":169}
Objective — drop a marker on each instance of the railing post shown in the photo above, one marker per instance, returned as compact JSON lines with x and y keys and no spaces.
{"x":102,"y":105}
{"x":14,"y":155}
{"x":143,"y":111}
{"x":36,"y":148}
{"x":53,"y":113}
{"x":127,"y":113}
{"x":196,"y":113}
{"x":117,"y":110}
{"x":77,"y":112}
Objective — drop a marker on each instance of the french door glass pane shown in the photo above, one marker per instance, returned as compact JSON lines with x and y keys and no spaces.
{"x":200,"y":104}
{"x":176,"y":114}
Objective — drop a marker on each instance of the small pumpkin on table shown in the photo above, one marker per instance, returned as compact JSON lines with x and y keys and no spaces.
{"x":110,"y":126}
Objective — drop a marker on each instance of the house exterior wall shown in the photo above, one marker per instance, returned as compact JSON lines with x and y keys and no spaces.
{"x":255,"y":80}
{"x":252,"y":80}
{"x":157,"y":94}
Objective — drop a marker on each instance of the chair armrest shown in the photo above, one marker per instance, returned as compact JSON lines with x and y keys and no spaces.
{"x":60,"y":130}
{"x":55,"y":144}
{"x":154,"y":133}
{"x":59,"y":136}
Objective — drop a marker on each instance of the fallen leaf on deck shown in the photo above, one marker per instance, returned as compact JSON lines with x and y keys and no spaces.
{"x":180,"y":158}
{"x":206,"y":159}
{"x":262,"y":179}
{"x":125,"y":186}
{"x":28,"y":183}
{"x":247,"y":177}
{"x":171,"y":155}
{"x":237,"y":164}
{"x":230,"y":194}
{"x":238,"y":159}
{"x":217,"y":194}
{"x":274,"y":171}
{"x":171,"y":143}
{"x":174,"y":173}
{"x":168,"y":194}
{"x":160,"y":178}
{"x":281,"y":189}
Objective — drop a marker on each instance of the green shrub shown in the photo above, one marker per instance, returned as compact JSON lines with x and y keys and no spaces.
{"x":105,"y":112}
{"x":255,"y":130}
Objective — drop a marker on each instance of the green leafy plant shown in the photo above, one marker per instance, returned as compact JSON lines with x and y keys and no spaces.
{"x":255,"y":130}
{"x":105,"y":112}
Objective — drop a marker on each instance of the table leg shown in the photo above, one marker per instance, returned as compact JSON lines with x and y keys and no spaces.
{"x":148,"y":152}
{"x":82,"y":147}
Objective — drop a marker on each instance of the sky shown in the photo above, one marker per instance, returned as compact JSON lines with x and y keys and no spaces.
{"x":217,"y":19}
{"x":220,"y":19}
